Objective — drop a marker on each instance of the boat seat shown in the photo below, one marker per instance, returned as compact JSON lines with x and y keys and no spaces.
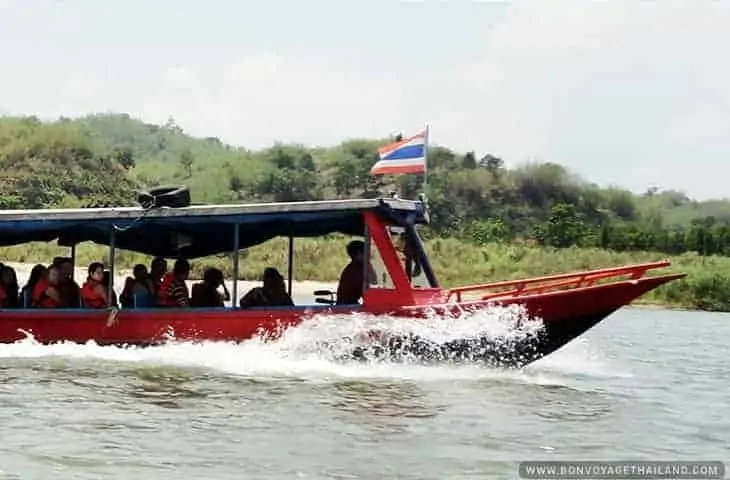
{"x":143,"y":300}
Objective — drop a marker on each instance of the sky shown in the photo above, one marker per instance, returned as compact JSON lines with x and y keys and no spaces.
{"x":628,"y":93}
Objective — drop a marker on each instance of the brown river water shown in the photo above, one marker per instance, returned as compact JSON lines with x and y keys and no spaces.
{"x":644,"y":384}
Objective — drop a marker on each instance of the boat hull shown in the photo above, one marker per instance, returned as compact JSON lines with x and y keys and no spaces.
{"x":564,"y":315}
{"x":507,"y":352}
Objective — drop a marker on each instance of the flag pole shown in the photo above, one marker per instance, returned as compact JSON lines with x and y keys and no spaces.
{"x":425,"y":163}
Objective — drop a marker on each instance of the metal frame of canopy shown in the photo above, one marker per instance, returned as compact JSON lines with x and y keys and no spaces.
{"x":287,"y":219}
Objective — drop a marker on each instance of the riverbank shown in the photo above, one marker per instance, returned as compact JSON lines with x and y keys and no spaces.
{"x":320,"y":261}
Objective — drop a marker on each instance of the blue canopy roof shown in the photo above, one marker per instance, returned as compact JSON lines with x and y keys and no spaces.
{"x":197,"y":231}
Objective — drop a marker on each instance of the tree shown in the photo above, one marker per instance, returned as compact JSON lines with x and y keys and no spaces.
{"x":492,"y":230}
{"x":288,"y":185}
{"x":172,"y":126}
{"x":622,"y":203}
{"x":345,"y":178}
{"x":186,"y":161}
{"x":492,"y":164}
{"x":125,"y":157}
{"x":564,"y":228}
{"x":469,"y":161}
{"x":235,"y":185}
{"x":306,"y":162}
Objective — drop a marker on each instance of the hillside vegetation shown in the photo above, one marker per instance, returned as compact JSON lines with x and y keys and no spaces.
{"x":482,"y":209}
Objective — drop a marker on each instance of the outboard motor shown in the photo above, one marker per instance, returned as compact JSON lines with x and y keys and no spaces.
{"x":166,"y":196}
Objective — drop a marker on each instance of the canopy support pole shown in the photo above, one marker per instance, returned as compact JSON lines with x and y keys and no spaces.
{"x":73,"y":260}
{"x":236,"y":248}
{"x":112,"y":261}
{"x":291,"y":264}
{"x":366,"y":259}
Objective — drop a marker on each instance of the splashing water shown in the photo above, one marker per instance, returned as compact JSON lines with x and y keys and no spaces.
{"x":318,"y":348}
{"x":495,"y":334}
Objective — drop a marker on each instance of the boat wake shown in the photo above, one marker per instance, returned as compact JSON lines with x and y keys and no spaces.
{"x":500,"y":336}
{"x":331,"y":347}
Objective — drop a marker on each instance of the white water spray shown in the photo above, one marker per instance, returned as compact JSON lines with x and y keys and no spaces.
{"x":311,"y":350}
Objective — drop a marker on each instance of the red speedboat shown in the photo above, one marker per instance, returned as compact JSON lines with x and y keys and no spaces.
{"x":565,"y":305}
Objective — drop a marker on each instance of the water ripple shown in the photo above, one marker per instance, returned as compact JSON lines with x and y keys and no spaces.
{"x":644,"y":385}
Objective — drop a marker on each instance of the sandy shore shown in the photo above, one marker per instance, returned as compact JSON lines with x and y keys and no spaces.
{"x":302,"y":290}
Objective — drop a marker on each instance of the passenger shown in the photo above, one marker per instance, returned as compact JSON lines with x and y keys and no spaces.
{"x":140,"y":284}
{"x":174,"y":292}
{"x":8,"y":287}
{"x":350,"y":287}
{"x":67,"y":286}
{"x":205,"y":293}
{"x":46,"y":293}
{"x":271,"y":294}
{"x":94,"y":293}
{"x":26,"y":295}
{"x":158,"y":269}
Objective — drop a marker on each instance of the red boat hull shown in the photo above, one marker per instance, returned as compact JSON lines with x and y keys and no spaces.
{"x":565,"y":314}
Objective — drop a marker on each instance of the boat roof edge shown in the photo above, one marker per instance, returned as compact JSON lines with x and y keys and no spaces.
{"x":207,"y":210}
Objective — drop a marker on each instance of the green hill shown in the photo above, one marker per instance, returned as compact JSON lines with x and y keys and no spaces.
{"x":102,"y":159}
{"x":541,"y":210}
{"x":54,"y":165}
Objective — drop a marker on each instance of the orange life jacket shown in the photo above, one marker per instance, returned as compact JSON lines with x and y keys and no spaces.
{"x":163,"y":297}
{"x":40,"y":299}
{"x":90,"y":297}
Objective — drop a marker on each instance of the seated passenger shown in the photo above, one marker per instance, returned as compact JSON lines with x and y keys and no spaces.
{"x":271,"y":294}
{"x":8,"y":287}
{"x":205,"y":293}
{"x":26,"y":294}
{"x":140,"y":284}
{"x":158,"y":269}
{"x":67,"y":286}
{"x":46,"y":293}
{"x":350,"y":287}
{"x":173,"y":291}
{"x":94,"y":293}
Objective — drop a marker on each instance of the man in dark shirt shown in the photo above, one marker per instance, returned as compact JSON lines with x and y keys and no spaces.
{"x":350,"y":288}
{"x":69,"y":290}
{"x":158,"y":269}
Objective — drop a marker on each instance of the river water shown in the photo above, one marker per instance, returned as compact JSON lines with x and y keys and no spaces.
{"x":644,"y":384}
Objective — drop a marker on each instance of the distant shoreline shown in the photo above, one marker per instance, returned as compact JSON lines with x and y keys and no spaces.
{"x":301,"y":288}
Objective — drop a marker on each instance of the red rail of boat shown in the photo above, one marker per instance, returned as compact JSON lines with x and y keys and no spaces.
{"x":552,"y":282}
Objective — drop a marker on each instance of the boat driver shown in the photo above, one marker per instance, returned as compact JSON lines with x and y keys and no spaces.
{"x":350,"y":288}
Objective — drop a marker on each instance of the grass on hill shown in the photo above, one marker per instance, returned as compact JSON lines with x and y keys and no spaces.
{"x":455,"y":263}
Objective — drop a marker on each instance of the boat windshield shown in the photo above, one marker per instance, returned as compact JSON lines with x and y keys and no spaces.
{"x":408,"y":261}
{"x":405,"y":246}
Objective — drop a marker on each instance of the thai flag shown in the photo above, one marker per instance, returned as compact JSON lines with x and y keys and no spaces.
{"x":405,"y":156}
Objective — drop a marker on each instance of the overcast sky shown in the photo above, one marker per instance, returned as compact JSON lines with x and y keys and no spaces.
{"x":624,"y":92}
